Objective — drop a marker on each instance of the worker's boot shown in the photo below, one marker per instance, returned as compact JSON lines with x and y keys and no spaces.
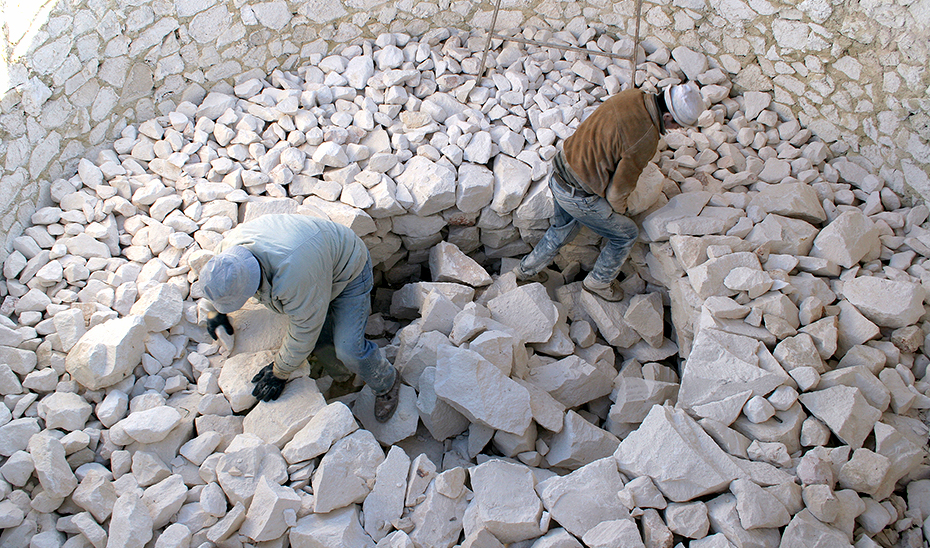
{"x":523,"y":277}
{"x":608,"y":291}
{"x":386,"y":404}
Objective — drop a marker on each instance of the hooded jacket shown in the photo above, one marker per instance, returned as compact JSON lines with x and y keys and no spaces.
{"x":306,"y":262}
{"x":610,"y":149}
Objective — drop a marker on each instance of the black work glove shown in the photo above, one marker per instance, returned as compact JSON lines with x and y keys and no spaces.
{"x":215,"y":320}
{"x":268,"y":387}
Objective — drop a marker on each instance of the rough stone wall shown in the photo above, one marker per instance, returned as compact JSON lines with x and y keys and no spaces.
{"x":73,"y":74}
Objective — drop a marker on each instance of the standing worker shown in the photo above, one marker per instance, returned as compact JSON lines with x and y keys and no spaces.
{"x":318,"y":273}
{"x":596,"y":170}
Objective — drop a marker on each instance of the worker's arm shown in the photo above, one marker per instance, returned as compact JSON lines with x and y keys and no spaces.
{"x":631,"y":165}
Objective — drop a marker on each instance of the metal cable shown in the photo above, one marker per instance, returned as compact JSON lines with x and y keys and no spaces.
{"x":487,"y":44}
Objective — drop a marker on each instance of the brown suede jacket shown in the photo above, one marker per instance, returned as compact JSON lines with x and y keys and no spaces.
{"x":610,"y":149}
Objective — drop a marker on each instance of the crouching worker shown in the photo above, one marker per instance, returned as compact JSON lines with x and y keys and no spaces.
{"x":597,"y":169}
{"x":318,"y":273}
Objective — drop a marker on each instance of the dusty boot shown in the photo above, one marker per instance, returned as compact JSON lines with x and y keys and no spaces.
{"x":523,"y":277}
{"x":386,"y":404}
{"x":609,"y":291}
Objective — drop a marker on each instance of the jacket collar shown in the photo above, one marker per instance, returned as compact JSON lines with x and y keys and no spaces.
{"x":652,"y":106}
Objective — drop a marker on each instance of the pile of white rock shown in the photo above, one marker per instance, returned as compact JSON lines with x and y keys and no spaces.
{"x":785,"y":287}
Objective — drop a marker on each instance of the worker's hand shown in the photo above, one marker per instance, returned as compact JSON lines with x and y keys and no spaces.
{"x":268,"y":387}
{"x":219,"y":329}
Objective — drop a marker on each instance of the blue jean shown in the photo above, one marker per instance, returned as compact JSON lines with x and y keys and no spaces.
{"x":573,"y":208}
{"x":344,"y":329}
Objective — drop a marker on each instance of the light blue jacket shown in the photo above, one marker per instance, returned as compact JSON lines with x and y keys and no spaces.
{"x":306,"y":262}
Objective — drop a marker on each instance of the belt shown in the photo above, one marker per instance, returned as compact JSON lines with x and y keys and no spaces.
{"x":563,"y":175}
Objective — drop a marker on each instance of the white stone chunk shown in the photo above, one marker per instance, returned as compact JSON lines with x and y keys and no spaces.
{"x":722,"y":365}
{"x":236,"y":376}
{"x":888,"y":303}
{"x":272,"y":508}
{"x":756,"y":507}
{"x":336,"y":529}
{"x":51,"y":468}
{"x":277,"y":421}
{"x":725,"y":519}
{"x":847,"y":239}
{"x":579,"y":443}
{"x":131,"y":523}
{"x":688,"y":519}
{"x":65,"y":410}
{"x":328,"y":425}
{"x":806,"y":531}
{"x":401,"y":426}
{"x":614,"y":533}
{"x":678,"y":207}
{"x":677,"y":454}
{"x":346,"y":473}
{"x":70,"y":326}
{"x":447,"y":263}
{"x":385,"y":503}
{"x":440,"y":418}
{"x":107,"y":353}
{"x":431,"y":185}
{"x":480,"y":391}
{"x":580,"y":500}
{"x":151,"y":425}
{"x":572,"y":381}
{"x":240,"y":467}
{"x":165,"y":498}
{"x":844,"y":410}
{"x":438,"y":519}
{"x":506,"y":503}
{"x":512,"y":178}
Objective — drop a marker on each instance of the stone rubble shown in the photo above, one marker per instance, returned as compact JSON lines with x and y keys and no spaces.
{"x":764,"y":382}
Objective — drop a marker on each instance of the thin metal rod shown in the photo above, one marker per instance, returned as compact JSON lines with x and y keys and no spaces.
{"x":556,"y":46}
{"x":487,"y":45}
{"x":639,"y":12}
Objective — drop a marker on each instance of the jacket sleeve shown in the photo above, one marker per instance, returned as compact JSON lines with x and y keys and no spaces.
{"x":305,"y":301}
{"x":631,"y":165}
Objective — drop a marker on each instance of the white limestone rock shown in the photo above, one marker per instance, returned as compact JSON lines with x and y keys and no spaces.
{"x":151,"y":425}
{"x":347,"y":471}
{"x":512,"y":179}
{"x":236,"y":377}
{"x":107,"y":353}
{"x":165,"y":498}
{"x":579,"y":443}
{"x":723,"y":365}
{"x":572,"y":381}
{"x":440,"y":418}
{"x":688,"y":519}
{"x":431,"y":185}
{"x":584,"y":498}
{"x":844,"y":410}
{"x":447,"y":263}
{"x":131,"y":524}
{"x":159,"y":307}
{"x":438,"y":519}
{"x":335,"y":529}
{"x":278,"y":420}
{"x":480,"y":391}
{"x":847,"y":239}
{"x":527,"y":310}
{"x":51,"y":468}
{"x":505,"y":502}
{"x":683,"y":461}
{"x":385,"y":503}
{"x":887,"y":303}
{"x":328,"y":425}
{"x":243,"y":463}
{"x":756,"y":507}
{"x":806,"y":531}
{"x":272,"y":508}
{"x":64,"y":410}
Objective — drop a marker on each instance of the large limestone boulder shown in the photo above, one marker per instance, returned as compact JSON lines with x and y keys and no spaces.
{"x":107,"y":353}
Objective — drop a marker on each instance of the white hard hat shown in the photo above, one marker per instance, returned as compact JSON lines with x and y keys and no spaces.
{"x":685,"y":103}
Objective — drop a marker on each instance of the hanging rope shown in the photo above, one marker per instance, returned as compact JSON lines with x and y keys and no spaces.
{"x":487,"y":44}
{"x":639,"y":12}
